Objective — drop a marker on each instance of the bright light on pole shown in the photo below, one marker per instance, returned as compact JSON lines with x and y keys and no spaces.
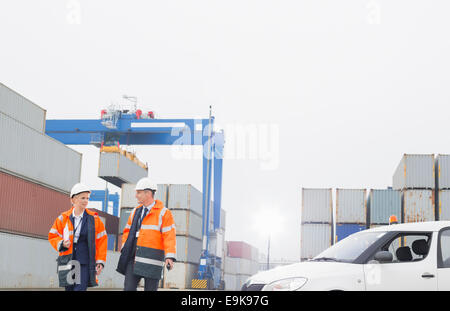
{"x":268,"y":222}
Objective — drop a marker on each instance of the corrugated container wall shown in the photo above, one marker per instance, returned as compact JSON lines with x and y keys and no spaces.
{"x":415,"y":171}
{"x":382,"y":203}
{"x":344,"y":230}
{"x":29,"y":208}
{"x":315,"y":238}
{"x":184,"y":196}
{"x":351,"y":206}
{"x":21,"y":109}
{"x":21,"y":268}
{"x":317,"y":205}
{"x":124,"y":215}
{"x":187,"y":223}
{"x":35,"y":156}
{"x":188,"y":249}
{"x":239,"y":249}
{"x":444,"y":205}
{"x":118,"y":169}
{"x":180,"y":276}
{"x":111,"y":222}
{"x":128,"y":195}
{"x":418,"y":206}
{"x":442,"y":173}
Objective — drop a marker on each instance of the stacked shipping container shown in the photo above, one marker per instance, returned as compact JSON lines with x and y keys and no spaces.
{"x":442,"y":172}
{"x":317,"y":222}
{"x":415,"y":177}
{"x":383,"y":203}
{"x":241,"y":262}
{"x":351,"y":212}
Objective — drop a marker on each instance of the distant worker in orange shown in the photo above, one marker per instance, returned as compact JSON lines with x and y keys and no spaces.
{"x":393,"y":220}
{"x":80,"y":238}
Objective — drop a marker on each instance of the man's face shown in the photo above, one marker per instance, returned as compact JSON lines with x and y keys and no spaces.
{"x":143,"y":195}
{"x":81,"y":199}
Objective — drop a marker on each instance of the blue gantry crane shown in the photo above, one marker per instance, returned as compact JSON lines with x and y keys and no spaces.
{"x":132,"y":127}
{"x":105,"y":197}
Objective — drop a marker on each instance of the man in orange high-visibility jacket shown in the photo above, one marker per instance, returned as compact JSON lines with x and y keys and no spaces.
{"x":80,"y":238}
{"x":149,"y":240}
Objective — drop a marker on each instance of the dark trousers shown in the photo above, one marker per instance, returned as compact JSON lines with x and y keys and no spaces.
{"x":84,"y":277}
{"x":132,"y":280}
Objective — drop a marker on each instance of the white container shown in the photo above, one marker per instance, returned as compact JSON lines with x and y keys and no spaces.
{"x":231,"y":265}
{"x":180,"y":277}
{"x":117,"y":169}
{"x":415,"y":171}
{"x":123,"y":220}
{"x":317,"y":205}
{"x":188,"y":249}
{"x":315,"y":238}
{"x":351,"y":206}
{"x":230,"y":282}
{"x":21,"y":109}
{"x":29,"y":154}
{"x":128,"y":195}
{"x":21,"y":268}
{"x":418,"y":205}
{"x":187,"y":223}
{"x":216,"y":244}
{"x":442,"y":173}
{"x":185,"y":196}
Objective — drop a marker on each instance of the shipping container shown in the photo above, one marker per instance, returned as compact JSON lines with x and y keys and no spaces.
{"x":351,"y":206}
{"x":37,"y":157}
{"x":188,"y":249}
{"x":418,"y":205}
{"x":29,"y":208}
{"x":216,"y":244}
{"x":230,"y":282}
{"x":117,"y":169}
{"x":239,"y":249}
{"x":183,"y":196}
{"x":223,"y":215}
{"x":315,"y":238}
{"x":415,"y":171}
{"x":21,"y":109}
{"x":317,"y":205}
{"x":20,"y":268}
{"x":187,"y":223}
{"x":383,"y":203}
{"x":344,"y":230}
{"x":128,"y":195}
{"x":124,"y":215}
{"x":180,"y":276}
{"x":111,"y":222}
{"x":231,"y":265}
{"x":442,"y":173}
{"x":444,"y":205}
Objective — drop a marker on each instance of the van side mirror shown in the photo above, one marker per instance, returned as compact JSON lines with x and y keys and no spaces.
{"x":383,"y":256}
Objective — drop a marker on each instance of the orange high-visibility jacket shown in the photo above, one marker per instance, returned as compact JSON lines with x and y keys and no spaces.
{"x":97,"y":244}
{"x":156,"y":240}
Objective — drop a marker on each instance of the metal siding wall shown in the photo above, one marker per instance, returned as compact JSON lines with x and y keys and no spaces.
{"x":418,"y":205}
{"x":21,"y":109}
{"x":418,"y":172}
{"x":187,"y":223}
{"x":444,"y":204}
{"x":130,"y":171}
{"x":351,"y":206}
{"x":315,"y":238}
{"x":183,"y":196}
{"x":443,"y":171}
{"x":29,"y":208}
{"x":20,"y":268}
{"x":37,"y":157}
{"x":188,"y":249}
{"x":384,"y":203}
{"x":317,"y":205}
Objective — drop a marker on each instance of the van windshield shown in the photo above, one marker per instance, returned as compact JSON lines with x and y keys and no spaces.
{"x":350,"y":248}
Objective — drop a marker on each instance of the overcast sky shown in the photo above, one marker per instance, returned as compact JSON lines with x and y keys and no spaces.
{"x":346,"y":87}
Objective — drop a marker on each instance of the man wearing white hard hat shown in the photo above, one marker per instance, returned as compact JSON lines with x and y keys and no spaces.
{"x":148,"y":241}
{"x":79,"y":236}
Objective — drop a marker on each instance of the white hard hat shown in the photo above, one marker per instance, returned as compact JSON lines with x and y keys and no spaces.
{"x":79,"y":188}
{"x":145,"y":184}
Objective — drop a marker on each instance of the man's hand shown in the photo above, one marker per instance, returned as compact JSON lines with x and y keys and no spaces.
{"x":99,"y":268}
{"x":66,"y":243}
{"x":169,"y":263}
